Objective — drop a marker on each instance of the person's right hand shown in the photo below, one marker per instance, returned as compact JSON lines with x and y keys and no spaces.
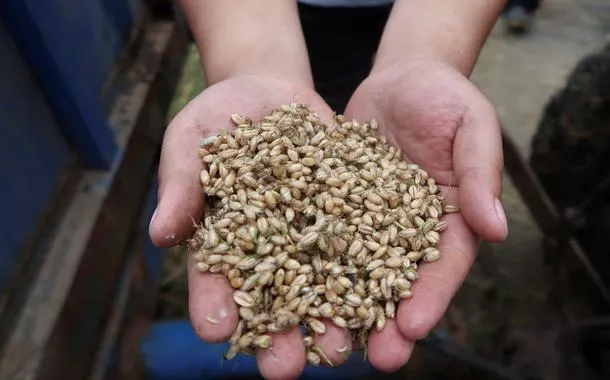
{"x":181,"y":201}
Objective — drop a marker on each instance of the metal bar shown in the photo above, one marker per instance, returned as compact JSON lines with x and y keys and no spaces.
{"x":591,"y":198}
{"x":530,"y":189}
{"x":544,"y":212}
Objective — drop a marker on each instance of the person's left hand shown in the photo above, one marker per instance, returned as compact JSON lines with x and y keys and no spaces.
{"x":181,"y":201}
{"x":443,"y":123}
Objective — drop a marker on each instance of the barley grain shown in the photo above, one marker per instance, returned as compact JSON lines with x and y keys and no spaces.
{"x":312,"y":220}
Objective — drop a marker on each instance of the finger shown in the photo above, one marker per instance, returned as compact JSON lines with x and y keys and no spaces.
{"x":438,"y":281}
{"x":389,"y":350}
{"x":180,"y":194}
{"x":478,"y":167}
{"x":285,"y":359}
{"x":335,"y":344}
{"x":211,"y":307}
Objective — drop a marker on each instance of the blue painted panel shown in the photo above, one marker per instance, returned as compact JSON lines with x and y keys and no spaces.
{"x":172,"y":350}
{"x":32,"y":153}
{"x":72,"y":45}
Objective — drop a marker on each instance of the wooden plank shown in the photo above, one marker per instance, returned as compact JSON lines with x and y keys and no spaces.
{"x":69,"y":303}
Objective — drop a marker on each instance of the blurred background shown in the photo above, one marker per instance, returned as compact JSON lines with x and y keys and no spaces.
{"x":88,"y":90}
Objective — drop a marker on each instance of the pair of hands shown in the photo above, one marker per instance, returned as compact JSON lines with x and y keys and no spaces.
{"x":429,"y":109}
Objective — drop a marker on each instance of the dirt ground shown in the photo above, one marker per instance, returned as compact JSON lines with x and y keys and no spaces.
{"x":503,"y":311}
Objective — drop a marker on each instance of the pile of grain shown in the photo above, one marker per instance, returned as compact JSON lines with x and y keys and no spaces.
{"x":311,"y":220}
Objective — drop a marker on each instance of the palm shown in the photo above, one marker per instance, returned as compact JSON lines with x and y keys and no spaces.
{"x":442,"y":123}
{"x":422,"y":115}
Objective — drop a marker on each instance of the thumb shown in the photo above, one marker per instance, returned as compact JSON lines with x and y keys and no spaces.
{"x":180,"y":194}
{"x":478,"y":162}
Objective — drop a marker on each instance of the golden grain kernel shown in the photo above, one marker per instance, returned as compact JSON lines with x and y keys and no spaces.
{"x":431,"y":255}
{"x":308,"y":240}
{"x":378,"y":273}
{"x":300,"y":213}
{"x":237,"y":282}
{"x":308,"y":161}
{"x":313,"y":358}
{"x":373,"y":265}
{"x":242,"y":298}
{"x":355,"y":247}
{"x":380,"y":320}
{"x":411,"y":275}
{"x":448,"y":209}
{"x":316,"y":325}
{"x":262,"y":341}
{"x":203,"y":267}
{"x":394,"y":262}
{"x":353,"y":300}
{"x":339,"y":321}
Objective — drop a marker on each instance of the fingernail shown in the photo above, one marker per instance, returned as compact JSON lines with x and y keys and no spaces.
{"x":501,"y":216}
{"x":152,"y":219}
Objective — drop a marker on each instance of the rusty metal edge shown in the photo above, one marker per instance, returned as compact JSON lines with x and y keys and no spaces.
{"x":59,"y":327}
{"x":542,"y":209}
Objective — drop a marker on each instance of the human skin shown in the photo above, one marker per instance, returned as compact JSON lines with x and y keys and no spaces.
{"x":255,"y":59}
{"x":420,"y":94}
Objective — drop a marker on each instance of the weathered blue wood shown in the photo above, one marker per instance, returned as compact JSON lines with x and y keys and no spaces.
{"x":72,"y":46}
{"x":33,"y":153}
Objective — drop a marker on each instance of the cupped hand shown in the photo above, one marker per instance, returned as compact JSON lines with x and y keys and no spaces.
{"x":444,"y":124}
{"x":181,"y":201}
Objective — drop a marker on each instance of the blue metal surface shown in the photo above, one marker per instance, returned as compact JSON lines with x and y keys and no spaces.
{"x":173,"y":351}
{"x":32,"y":151}
{"x":72,"y":46}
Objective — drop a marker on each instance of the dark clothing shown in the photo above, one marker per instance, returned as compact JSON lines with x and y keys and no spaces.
{"x":529,"y":5}
{"x":341,"y":43}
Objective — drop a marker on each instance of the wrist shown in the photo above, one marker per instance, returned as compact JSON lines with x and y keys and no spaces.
{"x":449,"y":31}
{"x":248,"y":37}
{"x":266,"y":81}
{"x":415,"y":61}
{"x":259,"y":62}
